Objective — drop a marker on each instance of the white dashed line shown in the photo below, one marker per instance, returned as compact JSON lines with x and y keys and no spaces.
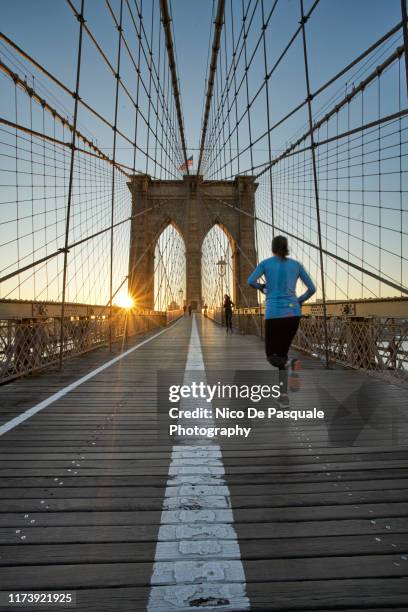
{"x":197,"y":561}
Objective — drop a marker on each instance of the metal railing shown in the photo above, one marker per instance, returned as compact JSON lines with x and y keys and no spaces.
{"x":31,"y":344}
{"x":376,"y":345}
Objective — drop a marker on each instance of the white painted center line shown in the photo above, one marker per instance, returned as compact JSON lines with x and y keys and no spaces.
{"x":197,"y":561}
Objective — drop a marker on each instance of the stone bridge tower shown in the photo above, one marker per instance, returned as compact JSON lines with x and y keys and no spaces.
{"x":193,"y":206}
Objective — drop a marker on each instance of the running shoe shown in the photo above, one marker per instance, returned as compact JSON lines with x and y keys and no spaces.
{"x":283,"y":400}
{"x":294,"y":379}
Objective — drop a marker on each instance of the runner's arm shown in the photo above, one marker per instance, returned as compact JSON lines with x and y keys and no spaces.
{"x":311,"y":289}
{"x":253,"y":278}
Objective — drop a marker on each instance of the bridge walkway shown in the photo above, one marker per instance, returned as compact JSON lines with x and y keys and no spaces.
{"x":97,"y":499}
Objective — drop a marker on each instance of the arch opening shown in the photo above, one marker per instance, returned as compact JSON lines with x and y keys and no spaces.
{"x":169,"y":269}
{"x":217,"y":278}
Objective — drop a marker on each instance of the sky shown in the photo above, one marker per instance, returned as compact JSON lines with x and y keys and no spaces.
{"x":337,"y":32}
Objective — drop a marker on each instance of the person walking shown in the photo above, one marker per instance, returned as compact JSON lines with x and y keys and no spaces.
{"x":228,"y":304}
{"x":189,"y":310}
{"x":283,"y":309}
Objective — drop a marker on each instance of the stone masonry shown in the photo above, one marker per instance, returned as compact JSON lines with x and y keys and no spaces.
{"x":191,"y":205}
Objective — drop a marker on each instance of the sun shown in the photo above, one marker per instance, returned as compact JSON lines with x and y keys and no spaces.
{"x":124,"y":300}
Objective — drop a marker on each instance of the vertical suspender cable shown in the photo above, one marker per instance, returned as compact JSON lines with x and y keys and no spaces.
{"x":219,"y":20}
{"x":139,"y":36}
{"x":268,"y":114}
{"x":149,"y":95}
{"x":166,"y":20}
{"x":315,"y":182}
{"x":234,"y":73}
{"x":405,"y":35}
{"x":158,"y":101}
{"x":71,"y":180}
{"x":119,"y":27}
{"x":246,"y":69}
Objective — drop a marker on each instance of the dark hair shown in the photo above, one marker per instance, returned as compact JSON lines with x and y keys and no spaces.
{"x":280,"y":246}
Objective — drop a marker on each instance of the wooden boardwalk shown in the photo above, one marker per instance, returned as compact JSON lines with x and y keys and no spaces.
{"x":319,"y":509}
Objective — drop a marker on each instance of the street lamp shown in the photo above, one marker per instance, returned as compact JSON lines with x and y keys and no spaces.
{"x":222,"y":268}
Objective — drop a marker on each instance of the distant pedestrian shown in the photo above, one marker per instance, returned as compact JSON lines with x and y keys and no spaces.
{"x":189,"y":310}
{"x":228,"y":304}
{"x":205,"y":309}
{"x":184,"y":309}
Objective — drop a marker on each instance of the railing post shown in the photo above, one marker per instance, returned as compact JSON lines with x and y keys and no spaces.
{"x":71,"y":178}
{"x":315,"y":182}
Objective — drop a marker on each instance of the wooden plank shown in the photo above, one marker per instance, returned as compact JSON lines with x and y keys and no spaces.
{"x":338,"y":477}
{"x":128,"y":502}
{"x":255,"y":529}
{"x":368,"y":594}
{"x":256,"y":515}
{"x":81,"y":576}
{"x":72,"y":489}
{"x":119,"y":552}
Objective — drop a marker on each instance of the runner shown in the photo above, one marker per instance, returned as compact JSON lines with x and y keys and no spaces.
{"x":283,"y":309}
{"x":228,"y":304}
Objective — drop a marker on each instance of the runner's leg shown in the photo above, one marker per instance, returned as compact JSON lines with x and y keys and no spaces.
{"x":279,"y":334}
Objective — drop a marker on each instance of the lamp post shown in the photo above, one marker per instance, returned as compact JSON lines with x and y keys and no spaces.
{"x":222,"y":268}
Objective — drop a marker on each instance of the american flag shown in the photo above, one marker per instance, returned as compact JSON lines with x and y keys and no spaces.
{"x":189,"y":164}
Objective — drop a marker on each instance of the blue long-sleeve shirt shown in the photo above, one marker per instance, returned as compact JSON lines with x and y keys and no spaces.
{"x":281,"y":276}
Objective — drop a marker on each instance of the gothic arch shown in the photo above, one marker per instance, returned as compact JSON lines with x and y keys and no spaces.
{"x":225,"y":228}
{"x":229,"y":254}
{"x":193,"y":206}
{"x":169,"y":265}
{"x":166,"y":222}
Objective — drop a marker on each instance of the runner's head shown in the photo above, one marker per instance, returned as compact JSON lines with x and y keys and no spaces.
{"x":280,"y":246}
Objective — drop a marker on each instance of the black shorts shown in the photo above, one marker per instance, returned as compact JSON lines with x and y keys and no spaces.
{"x":279,"y":334}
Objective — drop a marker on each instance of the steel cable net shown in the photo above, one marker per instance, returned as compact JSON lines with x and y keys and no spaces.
{"x":136,"y":131}
{"x":67,"y":154}
{"x":169,"y":270}
{"x":326,"y":138}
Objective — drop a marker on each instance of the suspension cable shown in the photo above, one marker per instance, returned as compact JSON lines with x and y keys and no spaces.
{"x":166,"y":20}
